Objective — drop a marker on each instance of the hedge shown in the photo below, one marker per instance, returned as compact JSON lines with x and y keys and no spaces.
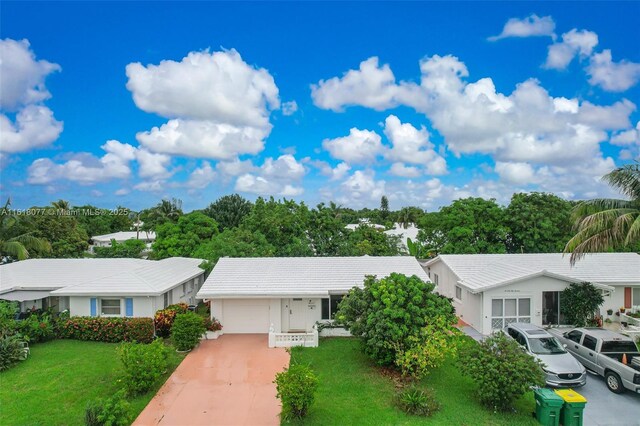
{"x":105,"y":329}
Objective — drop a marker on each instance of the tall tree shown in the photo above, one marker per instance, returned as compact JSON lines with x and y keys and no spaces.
{"x":384,"y":207}
{"x":326,"y":232}
{"x":284,"y":223}
{"x":184,"y":237}
{"x":609,"y":224}
{"x":470,"y":225}
{"x":538,"y":223}
{"x":165,"y":211}
{"x":15,"y":245}
{"x":373,"y":242}
{"x":229,"y":211}
{"x":408,"y":216}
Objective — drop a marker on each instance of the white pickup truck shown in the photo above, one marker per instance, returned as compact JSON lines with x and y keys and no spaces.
{"x":603,"y":352}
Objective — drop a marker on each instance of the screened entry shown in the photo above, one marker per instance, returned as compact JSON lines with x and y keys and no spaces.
{"x":509,"y":310}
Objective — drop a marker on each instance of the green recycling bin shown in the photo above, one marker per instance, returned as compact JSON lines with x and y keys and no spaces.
{"x":548,"y":406}
{"x":573,"y":407}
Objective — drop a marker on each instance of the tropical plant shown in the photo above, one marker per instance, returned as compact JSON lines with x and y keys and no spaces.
{"x":12,"y":351}
{"x":608,"y":224}
{"x":416,"y":401}
{"x":296,"y":387}
{"x":16,"y":246}
{"x":580,"y":303}
{"x":500,"y":368}
{"x":384,"y":207}
{"x":418,"y":249}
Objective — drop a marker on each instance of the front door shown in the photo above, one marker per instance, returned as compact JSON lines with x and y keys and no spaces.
{"x":297,"y":311}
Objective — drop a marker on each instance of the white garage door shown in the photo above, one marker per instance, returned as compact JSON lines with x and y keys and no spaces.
{"x":246,"y":316}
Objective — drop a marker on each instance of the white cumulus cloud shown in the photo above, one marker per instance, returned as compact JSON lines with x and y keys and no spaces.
{"x":575,"y":42}
{"x":218,"y":106}
{"x":612,"y":76}
{"x":359,"y":147}
{"x":276,"y":176}
{"x":22,"y":91}
{"x":531,"y":26}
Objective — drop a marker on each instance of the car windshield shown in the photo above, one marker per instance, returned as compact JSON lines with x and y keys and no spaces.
{"x":546,"y":346}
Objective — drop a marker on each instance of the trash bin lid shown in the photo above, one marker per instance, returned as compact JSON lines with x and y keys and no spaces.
{"x":569,"y":395}
{"x":547,"y":394}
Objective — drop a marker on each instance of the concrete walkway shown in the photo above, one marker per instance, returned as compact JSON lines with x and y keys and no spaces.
{"x":222,"y":382}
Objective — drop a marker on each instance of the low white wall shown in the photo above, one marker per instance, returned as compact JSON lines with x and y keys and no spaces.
{"x":335,"y":332}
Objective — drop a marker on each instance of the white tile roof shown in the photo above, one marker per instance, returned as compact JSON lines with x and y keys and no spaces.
{"x":479,"y":272}
{"x":291,"y":276}
{"x":125,"y":235}
{"x":98,"y":276}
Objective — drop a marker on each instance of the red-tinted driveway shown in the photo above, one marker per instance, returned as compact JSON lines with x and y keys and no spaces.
{"x":222,"y":382}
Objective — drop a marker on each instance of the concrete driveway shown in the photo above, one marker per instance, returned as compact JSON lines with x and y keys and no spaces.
{"x":227,"y":381}
{"x":605,"y":408}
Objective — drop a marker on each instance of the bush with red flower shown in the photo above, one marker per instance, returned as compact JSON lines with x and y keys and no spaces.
{"x":164,"y":318}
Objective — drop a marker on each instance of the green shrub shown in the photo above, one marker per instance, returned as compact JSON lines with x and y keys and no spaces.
{"x":113,"y":411}
{"x":296,"y":388}
{"x":38,"y":328}
{"x":143,"y":365}
{"x":12,"y":351}
{"x":390,"y":313}
{"x":187,"y":330}
{"x":164,"y":318}
{"x":8,"y":312}
{"x":580,"y":303}
{"x":430,"y":349}
{"x":416,"y":401}
{"x":104,"y":329}
{"x":501,"y":369}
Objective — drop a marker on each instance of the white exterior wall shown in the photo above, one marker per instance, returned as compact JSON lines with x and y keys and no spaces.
{"x":616,"y":300}
{"x":143,"y":306}
{"x":313,"y":313}
{"x":278,"y":312}
{"x":469,"y":309}
{"x":531,"y":288}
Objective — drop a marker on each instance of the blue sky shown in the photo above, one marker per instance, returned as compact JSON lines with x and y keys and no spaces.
{"x":127,"y":103}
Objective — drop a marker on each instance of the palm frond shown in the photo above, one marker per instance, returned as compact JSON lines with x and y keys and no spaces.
{"x":13,"y":249}
{"x":626,"y":179}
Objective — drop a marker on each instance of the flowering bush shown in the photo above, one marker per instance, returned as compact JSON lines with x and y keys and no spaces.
{"x":164,"y":318}
{"x":38,"y":328}
{"x":212,"y":325}
{"x":103,"y":329}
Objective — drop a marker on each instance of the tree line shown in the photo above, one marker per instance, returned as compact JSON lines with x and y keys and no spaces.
{"x":234,"y":226}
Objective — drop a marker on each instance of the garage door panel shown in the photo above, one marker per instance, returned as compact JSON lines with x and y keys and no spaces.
{"x":246,"y":316}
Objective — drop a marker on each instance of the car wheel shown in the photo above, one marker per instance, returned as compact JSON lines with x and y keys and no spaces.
{"x":613,"y":382}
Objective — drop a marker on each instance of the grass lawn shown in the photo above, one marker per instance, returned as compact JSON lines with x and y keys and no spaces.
{"x":54,"y":385}
{"x":352,"y":391}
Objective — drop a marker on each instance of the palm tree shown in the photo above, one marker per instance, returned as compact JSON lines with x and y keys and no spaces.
{"x":61,"y":204}
{"x":407,"y":217}
{"x":18,"y":246}
{"x":606,"y":224}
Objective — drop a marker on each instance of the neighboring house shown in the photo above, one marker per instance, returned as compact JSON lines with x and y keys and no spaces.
{"x":410,"y":231}
{"x":120,"y":237}
{"x":363,"y":222}
{"x":492,"y":290}
{"x":290,"y":294}
{"x":101,"y":287}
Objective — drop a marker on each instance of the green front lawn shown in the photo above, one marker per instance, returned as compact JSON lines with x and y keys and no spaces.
{"x":352,"y":391}
{"x":54,"y":385}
